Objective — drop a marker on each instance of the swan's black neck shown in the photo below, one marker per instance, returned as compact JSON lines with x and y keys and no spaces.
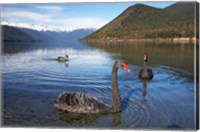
{"x":145,"y":66}
{"x":116,"y":96}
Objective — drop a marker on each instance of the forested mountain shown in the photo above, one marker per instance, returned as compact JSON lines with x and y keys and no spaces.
{"x":142,"y":21}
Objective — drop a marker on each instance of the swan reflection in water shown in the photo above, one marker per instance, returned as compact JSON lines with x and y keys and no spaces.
{"x":116,"y":119}
{"x":77,"y":118}
{"x":84,"y":119}
{"x":144,"y":90}
{"x":66,"y":64}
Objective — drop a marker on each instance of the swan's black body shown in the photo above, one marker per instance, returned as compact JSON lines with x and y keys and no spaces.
{"x":145,"y":73}
{"x":80,"y":103}
{"x":83,"y":103}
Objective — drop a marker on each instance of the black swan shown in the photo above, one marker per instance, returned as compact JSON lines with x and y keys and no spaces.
{"x":63,"y":59}
{"x":83,"y":103}
{"x":145,"y":73}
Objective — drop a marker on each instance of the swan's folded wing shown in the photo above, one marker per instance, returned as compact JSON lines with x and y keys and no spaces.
{"x":81,"y":103}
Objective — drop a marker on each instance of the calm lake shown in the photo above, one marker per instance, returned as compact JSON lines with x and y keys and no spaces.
{"x":32,"y":80}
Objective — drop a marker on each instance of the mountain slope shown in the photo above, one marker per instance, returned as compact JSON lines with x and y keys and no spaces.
{"x":141,"y":21}
{"x":15,"y":34}
{"x":78,"y":34}
{"x":186,"y":8}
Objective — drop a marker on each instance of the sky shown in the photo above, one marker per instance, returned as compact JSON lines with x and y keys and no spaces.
{"x":68,"y":15}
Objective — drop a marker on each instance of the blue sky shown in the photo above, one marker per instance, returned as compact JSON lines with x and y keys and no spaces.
{"x":68,"y":15}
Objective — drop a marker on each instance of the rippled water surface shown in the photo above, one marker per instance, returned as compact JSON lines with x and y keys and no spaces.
{"x":32,"y":80}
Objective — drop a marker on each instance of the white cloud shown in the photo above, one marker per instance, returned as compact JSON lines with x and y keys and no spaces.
{"x":52,"y":8}
{"x":27,"y":15}
{"x":51,"y":19}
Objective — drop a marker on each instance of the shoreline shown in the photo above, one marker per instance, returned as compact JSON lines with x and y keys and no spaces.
{"x":155,"y":40}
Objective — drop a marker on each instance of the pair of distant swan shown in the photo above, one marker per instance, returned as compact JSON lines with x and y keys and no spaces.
{"x":83,"y":103}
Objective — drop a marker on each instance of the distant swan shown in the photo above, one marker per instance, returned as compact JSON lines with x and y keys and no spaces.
{"x":83,"y":103}
{"x":63,"y":59}
{"x":145,"y":73}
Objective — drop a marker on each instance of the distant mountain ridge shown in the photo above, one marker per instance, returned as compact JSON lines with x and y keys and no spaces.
{"x":142,"y":21}
{"x":12,"y":33}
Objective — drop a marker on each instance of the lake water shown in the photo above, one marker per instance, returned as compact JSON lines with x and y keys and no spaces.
{"x":32,"y":80}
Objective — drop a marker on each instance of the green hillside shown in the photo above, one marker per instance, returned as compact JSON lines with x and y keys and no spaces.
{"x":141,"y":21}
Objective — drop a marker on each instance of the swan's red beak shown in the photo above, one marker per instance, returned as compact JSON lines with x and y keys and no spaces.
{"x":125,"y":67}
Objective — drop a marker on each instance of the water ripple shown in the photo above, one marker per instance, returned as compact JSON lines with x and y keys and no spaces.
{"x":151,"y":104}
